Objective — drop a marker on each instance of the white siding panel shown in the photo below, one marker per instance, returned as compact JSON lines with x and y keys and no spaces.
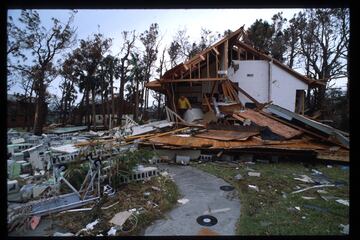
{"x":255,"y":85}
{"x":283,"y":88}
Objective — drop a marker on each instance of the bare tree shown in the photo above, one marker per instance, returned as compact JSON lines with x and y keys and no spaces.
{"x":129,"y":40}
{"x":43,"y":45}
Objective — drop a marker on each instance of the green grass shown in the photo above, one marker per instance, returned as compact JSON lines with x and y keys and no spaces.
{"x":269,"y":212}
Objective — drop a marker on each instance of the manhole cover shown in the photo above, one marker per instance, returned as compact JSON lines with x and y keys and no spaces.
{"x":227,"y":188}
{"x":206,"y":220}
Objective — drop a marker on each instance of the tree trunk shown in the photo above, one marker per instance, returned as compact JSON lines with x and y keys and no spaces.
{"x":87,"y":108}
{"x":93,"y":108}
{"x":103,"y":110}
{"x":39,"y":110}
{"x":159,"y":104}
{"x":136,"y":113}
{"x":121,"y":100}
{"x":108,"y":112}
{"x":112,"y":103}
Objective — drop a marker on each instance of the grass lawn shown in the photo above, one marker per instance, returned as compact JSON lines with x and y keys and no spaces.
{"x":271,"y":210}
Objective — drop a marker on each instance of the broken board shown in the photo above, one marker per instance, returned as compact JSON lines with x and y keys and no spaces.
{"x":226,"y":135}
{"x":275,"y":126}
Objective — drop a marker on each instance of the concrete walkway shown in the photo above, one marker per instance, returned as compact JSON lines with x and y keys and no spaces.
{"x":204,"y":194}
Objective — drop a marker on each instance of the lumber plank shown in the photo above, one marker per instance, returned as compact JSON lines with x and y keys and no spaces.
{"x":275,"y":126}
{"x":208,"y":104}
{"x":192,"y":80}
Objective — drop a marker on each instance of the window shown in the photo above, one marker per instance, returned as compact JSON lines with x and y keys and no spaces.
{"x":250,"y":75}
{"x":99,"y":117}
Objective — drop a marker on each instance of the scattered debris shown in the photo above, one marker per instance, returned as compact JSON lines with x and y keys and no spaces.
{"x":238,"y":177}
{"x":112,"y":231}
{"x":183,"y":201}
{"x":308,"y":198}
{"x":164,"y":174}
{"x":329,"y":166}
{"x":344,"y":228}
{"x":254,"y":174}
{"x":305,"y":178}
{"x":183,"y":160}
{"x":344,"y":202}
{"x":91,"y":225}
{"x":316,"y":171}
{"x":34,"y":222}
{"x":317,"y":186}
{"x":59,"y":234}
{"x":254,"y":187}
{"x":327,"y":198}
{"x":217,"y":211}
{"x":297,"y":208}
{"x":120,"y":218}
{"x":322,"y":191}
{"x":155,"y":188}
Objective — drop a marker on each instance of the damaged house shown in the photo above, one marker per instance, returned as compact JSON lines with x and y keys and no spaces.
{"x":247,"y":102}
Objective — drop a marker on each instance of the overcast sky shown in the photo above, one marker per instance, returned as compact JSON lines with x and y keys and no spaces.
{"x":113,"y":22}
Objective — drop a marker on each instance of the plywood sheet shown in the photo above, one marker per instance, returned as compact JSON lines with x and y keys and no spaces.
{"x":275,"y":126}
{"x":226,"y":135}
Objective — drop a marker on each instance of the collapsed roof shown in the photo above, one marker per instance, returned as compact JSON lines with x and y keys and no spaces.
{"x":205,"y":65}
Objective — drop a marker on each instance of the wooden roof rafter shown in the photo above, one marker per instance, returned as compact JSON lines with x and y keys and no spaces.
{"x":201,"y":56}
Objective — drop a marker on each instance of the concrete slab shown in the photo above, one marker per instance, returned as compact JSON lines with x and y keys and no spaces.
{"x":204,"y":194}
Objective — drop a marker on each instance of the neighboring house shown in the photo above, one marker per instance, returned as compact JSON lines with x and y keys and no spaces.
{"x":20,"y":113}
{"x":254,"y":77}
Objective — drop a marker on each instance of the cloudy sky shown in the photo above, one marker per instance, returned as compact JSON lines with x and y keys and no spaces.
{"x":112,"y":22}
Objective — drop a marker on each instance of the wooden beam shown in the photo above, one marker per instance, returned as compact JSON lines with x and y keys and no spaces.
{"x":217,"y":66}
{"x":207,"y":66}
{"x":202,"y":57}
{"x":226,"y":55}
{"x":216,"y":51}
{"x":213,"y":89}
{"x":192,"y":80}
{"x":190,"y":71}
{"x":199,"y":70}
{"x":238,"y":117}
{"x":208,"y":104}
{"x":248,"y":96}
{"x":186,"y":67}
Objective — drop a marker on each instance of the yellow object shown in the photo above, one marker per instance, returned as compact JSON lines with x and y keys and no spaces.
{"x":184,"y":103}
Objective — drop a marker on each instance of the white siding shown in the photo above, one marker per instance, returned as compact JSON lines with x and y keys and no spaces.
{"x":256,"y":85}
{"x":283,"y":84}
{"x":283,"y":88}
